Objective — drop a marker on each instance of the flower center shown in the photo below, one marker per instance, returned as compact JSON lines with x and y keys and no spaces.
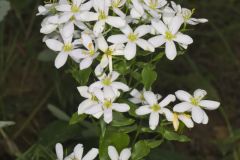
{"x":132,"y":37}
{"x":102,"y":15}
{"x":115,"y":3}
{"x":91,"y":49}
{"x":107,"y":81}
{"x":153,"y":4}
{"x":194,"y":101}
{"x":169,"y":35}
{"x":75,"y":9}
{"x":67,"y":47}
{"x":109,"y":52}
{"x":155,"y":107}
{"x":142,"y":97}
{"x":94,"y":98}
{"x":107,"y":104}
{"x":187,"y":14}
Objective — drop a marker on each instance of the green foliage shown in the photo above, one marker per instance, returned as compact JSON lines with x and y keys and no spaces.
{"x":173,"y":136}
{"x":149,"y":76}
{"x":61,"y":115}
{"x":76,"y":118}
{"x":81,"y":76}
{"x":4,"y":8}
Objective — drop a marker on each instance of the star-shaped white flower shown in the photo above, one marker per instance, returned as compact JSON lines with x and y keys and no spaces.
{"x":132,"y":38}
{"x":101,"y":16}
{"x":65,"y":49}
{"x":154,"y":7}
{"x":195,"y":104}
{"x":138,"y":96}
{"x":109,"y":52}
{"x":116,"y":5}
{"x":70,"y":15}
{"x":106,"y":105}
{"x":124,"y":155}
{"x":108,"y":84}
{"x":77,"y":153}
{"x":169,"y":34}
{"x":154,"y":108}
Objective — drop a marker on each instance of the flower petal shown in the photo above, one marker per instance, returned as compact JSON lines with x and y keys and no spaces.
{"x":150,"y":97}
{"x":54,"y":45}
{"x":199,"y":94}
{"x":175,"y":24}
{"x":125,"y":154}
{"x":86,"y":63}
{"x":78,"y":151}
{"x":170,"y":50}
{"x":94,"y":109}
{"x":170,"y":98}
{"x":85,"y":105}
{"x":142,"y":30}
{"x":59,"y":151}
{"x":183,"y":39}
{"x":91,"y":155}
{"x":102,"y":44}
{"x":145,"y":45}
{"x":209,"y":105}
{"x":112,"y":152}
{"x":119,"y":38}
{"x":108,"y":115}
{"x":183,"y":95}
{"x":61,"y":59}
{"x":197,"y":114}
{"x":121,"y":86}
{"x":186,"y":120}
{"x":130,"y":50}
{"x":153,"y":120}
{"x":143,"y":110}
{"x":115,"y":21}
{"x":159,"y":26}
{"x":182,"y":107}
{"x":157,"y":41}
{"x":98,"y":27}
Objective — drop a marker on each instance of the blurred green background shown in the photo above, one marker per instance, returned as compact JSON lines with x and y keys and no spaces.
{"x":30,"y":86}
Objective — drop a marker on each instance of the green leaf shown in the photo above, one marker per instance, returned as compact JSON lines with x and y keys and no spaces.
{"x":140,"y":150}
{"x":149,"y":76}
{"x":6,"y":123}
{"x":46,"y":56}
{"x":117,"y":139}
{"x":76,"y":118}
{"x":154,"y":143}
{"x":58,"y":113}
{"x":4,"y":8}
{"x":173,"y":136}
{"x":119,"y":120}
{"x":81,"y":76}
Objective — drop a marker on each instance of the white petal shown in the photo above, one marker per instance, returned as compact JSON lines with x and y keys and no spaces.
{"x":143,"y":110}
{"x":86,"y":63}
{"x":95,"y":85}
{"x":63,"y":8}
{"x":94,"y":109}
{"x":205,"y":118}
{"x":135,"y":100}
{"x":102,"y":44}
{"x":114,"y":75}
{"x":209,"y":105}
{"x":68,"y":29}
{"x":112,"y":152}
{"x":108,"y":115}
{"x":199,"y":94}
{"x":145,"y":45}
{"x":175,"y":24}
{"x":108,"y":92}
{"x":86,"y":6}
{"x":99,"y":94}
{"x":135,"y":93}
{"x":121,"y":86}
{"x":159,"y":26}
{"x":184,"y":39}
{"x":125,"y":154}
{"x":167,"y":113}
{"x":157,"y":41}
{"x":126,"y":30}
{"x":65,"y":17}
{"x":154,"y":120}
{"x":130,"y":50}
{"x":85,"y":105}
{"x":197,"y":114}
{"x":150,"y":97}
{"x":120,"y":38}
{"x":48,"y":28}
{"x":61,"y":59}
{"x":186,"y":120}
{"x":78,"y":151}
{"x":170,"y":50}
{"x":121,"y":107}
{"x":182,"y":107}
{"x":170,"y":98}
{"x":54,"y":44}
{"x":116,"y":21}
{"x":142,"y":30}
{"x":77,"y":54}
{"x":59,"y":151}
{"x":98,"y":27}
{"x":183,"y":95}
{"x":88,"y":16}
{"x":104,"y":61}
{"x":91,"y":155}
{"x":138,"y":9}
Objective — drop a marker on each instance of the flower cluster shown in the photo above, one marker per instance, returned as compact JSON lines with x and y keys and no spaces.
{"x":97,"y":33}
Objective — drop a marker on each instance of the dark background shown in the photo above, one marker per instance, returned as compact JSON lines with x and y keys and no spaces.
{"x":29,"y":83}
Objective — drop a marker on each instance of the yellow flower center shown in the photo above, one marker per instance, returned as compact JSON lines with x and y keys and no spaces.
{"x":107,"y":104}
{"x":68,"y":47}
{"x":169,"y":35}
{"x":132,"y":37}
{"x":116,"y":3}
{"x":153,"y":4}
{"x":75,"y":9}
{"x":107,"y":81}
{"x":109,"y":52}
{"x":194,"y":101}
{"x":102,"y":15}
{"x":155,"y":107}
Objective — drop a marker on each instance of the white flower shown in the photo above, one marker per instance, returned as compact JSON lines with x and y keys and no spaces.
{"x":90,"y":100}
{"x":187,"y":15}
{"x":106,"y":105}
{"x":176,"y":117}
{"x":87,"y":55}
{"x":124,"y":155}
{"x":108,"y":84}
{"x":138,"y":96}
{"x":77,"y":153}
{"x":137,"y":10}
{"x":154,"y":108}
{"x":116,"y":4}
{"x":154,"y":6}
{"x":71,"y":15}
{"x":101,"y":16}
{"x":195,"y":104}
{"x":65,"y":49}
{"x":132,"y":38}
{"x":109,"y":52}
{"x":49,"y":24}
{"x":168,"y":35}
